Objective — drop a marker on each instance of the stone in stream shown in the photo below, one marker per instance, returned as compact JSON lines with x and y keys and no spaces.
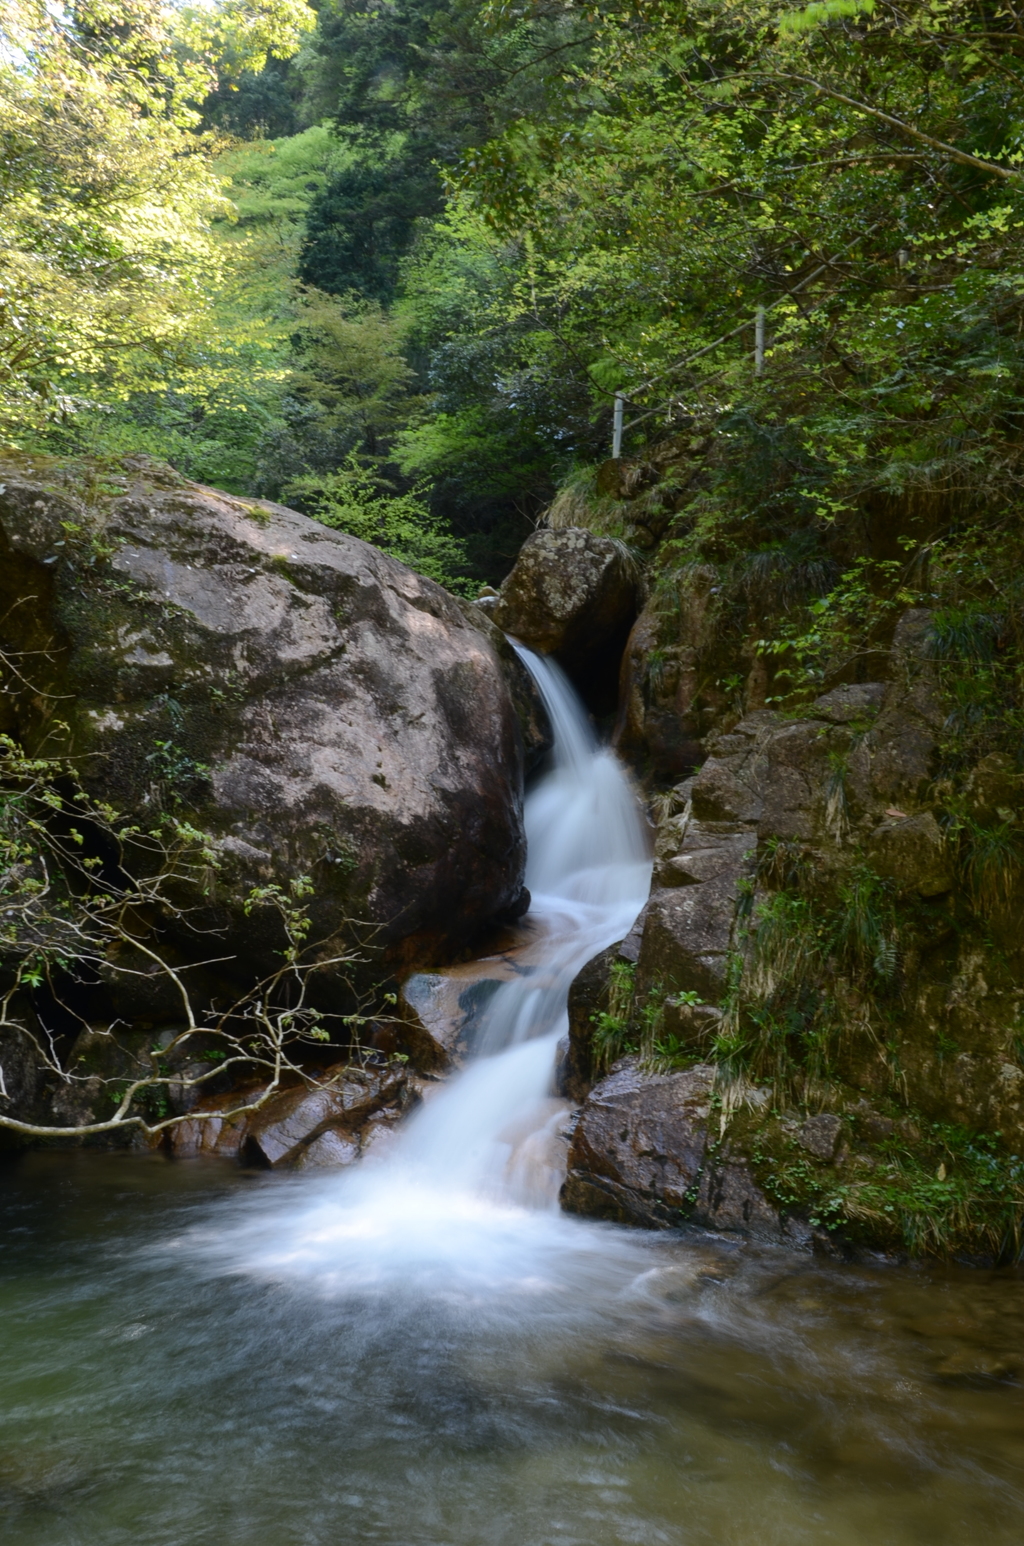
{"x":310,"y":704}
{"x":305,"y":1126}
{"x":441,"y":1010}
{"x":641,"y":1154}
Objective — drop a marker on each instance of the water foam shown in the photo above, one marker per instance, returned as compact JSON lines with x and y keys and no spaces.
{"x":465,"y":1202}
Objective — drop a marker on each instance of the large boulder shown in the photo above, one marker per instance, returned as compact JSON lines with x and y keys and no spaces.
{"x":638,"y":1148}
{"x":572,"y":595}
{"x":307,"y":702}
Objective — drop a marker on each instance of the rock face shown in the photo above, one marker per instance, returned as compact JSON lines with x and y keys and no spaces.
{"x":838,"y":813}
{"x":574,"y":596}
{"x":666,"y":703}
{"x":306,"y":701}
{"x":641,"y":1154}
{"x":327,"y":1124}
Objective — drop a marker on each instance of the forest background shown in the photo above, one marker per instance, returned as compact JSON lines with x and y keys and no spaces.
{"x":390,"y":262}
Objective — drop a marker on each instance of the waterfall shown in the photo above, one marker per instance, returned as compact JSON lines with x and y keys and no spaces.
{"x":588,"y":873}
{"x":463,"y":1192}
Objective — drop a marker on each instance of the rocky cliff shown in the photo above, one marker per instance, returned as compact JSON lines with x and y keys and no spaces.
{"x":814,"y":1031}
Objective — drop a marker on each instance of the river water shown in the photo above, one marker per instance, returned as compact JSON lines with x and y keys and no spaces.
{"x":425,"y":1352}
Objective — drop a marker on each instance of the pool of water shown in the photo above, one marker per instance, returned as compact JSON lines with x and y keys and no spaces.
{"x":166,"y":1379}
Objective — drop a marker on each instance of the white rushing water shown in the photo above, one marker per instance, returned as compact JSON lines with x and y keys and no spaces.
{"x":466,"y":1199}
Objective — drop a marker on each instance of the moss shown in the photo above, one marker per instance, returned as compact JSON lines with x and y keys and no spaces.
{"x":898,"y":1182}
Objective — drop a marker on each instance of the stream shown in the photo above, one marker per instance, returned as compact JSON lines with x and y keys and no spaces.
{"x":423,"y":1351}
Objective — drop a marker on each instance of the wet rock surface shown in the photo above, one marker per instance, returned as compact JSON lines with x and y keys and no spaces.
{"x":642,"y":1153}
{"x":316,"y":1125}
{"x":314,"y":706}
{"x":638,"y":1148}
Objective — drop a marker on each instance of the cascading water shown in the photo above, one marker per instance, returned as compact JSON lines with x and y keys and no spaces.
{"x":459,"y":1198}
{"x":423,"y":1350}
{"x":588,"y":873}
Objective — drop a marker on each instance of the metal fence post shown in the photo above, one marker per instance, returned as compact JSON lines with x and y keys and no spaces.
{"x":617,"y":427}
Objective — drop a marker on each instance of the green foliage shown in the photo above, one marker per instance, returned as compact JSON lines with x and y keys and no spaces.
{"x":932,"y":1189}
{"x":611,"y":1036}
{"x":807,"y":976}
{"x":108,"y":263}
{"x":989,"y":858}
{"x":179,"y":777}
{"x":838,"y":630}
{"x":350,"y":499}
{"x":631,"y":1028}
{"x":64,"y":898}
{"x":83,"y":892}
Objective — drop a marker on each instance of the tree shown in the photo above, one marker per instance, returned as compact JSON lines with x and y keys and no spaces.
{"x":107,"y":260}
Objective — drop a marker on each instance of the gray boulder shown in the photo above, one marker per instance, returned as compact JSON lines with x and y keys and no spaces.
{"x":309,"y":703}
{"x":641,"y":1154}
{"x":572,"y":595}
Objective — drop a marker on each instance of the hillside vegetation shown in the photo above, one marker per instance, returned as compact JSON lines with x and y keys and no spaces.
{"x":416,"y":252}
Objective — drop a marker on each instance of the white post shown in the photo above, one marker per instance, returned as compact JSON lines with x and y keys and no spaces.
{"x":617,"y":427}
{"x":759,"y":341}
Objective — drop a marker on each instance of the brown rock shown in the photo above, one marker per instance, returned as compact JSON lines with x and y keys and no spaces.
{"x":569,"y":595}
{"x":911,"y":852}
{"x":686,"y":938}
{"x":995,"y":786}
{"x":433,"y":1019}
{"x":639,"y":1145}
{"x":904,"y":740}
{"x":534,"y":724}
{"x":729,"y":1198}
{"x":820,"y":1134}
{"x":640,"y":1155}
{"x":276,"y":1133}
{"x":442,"y":1012}
{"x":693,"y":866}
{"x":209,"y":1132}
{"x":793,"y":785}
{"x":664,"y":703}
{"x":329,"y":1151}
{"x":693,"y":1025}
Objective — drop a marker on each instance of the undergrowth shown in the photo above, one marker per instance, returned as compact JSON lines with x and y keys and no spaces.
{"x":807,"y":977}
{"x":632,"y":1027}
{"x":932,"y":1189}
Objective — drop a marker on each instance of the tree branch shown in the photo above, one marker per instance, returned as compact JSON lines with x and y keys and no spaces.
{"x":962,"y":156}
